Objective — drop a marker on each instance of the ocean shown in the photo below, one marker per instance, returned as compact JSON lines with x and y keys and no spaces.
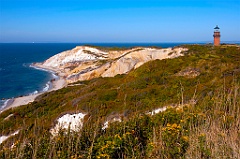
{"x":17,"y":78}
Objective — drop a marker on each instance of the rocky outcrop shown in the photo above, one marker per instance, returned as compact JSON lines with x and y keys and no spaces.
{"x":189,"y":73}
{"x":84,"y":62}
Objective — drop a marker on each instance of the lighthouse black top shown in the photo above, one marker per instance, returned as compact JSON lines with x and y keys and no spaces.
{"x":216,"y":27}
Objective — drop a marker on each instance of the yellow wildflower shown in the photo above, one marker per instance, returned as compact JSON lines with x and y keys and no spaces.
{"x":185,"y":138}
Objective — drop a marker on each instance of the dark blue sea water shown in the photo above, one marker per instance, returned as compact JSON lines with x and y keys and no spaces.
{"x":18,"y":79}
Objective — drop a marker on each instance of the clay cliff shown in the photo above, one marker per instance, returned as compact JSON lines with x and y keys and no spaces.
{"x":85,"y":62}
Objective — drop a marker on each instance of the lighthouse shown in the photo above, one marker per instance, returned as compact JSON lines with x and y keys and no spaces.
{"x":216,"y":36}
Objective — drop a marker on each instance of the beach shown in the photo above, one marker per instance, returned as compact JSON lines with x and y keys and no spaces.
{"x":57,"y":83}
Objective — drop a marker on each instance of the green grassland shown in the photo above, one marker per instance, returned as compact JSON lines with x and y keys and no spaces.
{"x":202,"y":119}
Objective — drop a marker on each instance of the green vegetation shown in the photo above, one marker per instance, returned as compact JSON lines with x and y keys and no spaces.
{"x":202,"y":121}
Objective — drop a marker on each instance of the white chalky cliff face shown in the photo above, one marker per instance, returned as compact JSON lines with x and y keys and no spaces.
{"x":80,"y":53}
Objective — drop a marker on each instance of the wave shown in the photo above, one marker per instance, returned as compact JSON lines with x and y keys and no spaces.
{"x":4,"y":103}
{"x":25,"y":64}
{"x":47,"y":87}
{"x":42,"y":69}
{"x":35,"y":92}
{"x":54,"y":75}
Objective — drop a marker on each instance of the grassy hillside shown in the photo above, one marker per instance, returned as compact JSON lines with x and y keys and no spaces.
{"x":200,"y":89}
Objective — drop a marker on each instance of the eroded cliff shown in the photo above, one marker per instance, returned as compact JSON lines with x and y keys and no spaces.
{"x":85,"y":62}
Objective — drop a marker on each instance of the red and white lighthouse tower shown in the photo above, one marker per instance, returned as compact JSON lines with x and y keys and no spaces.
{"x":216,"y":36}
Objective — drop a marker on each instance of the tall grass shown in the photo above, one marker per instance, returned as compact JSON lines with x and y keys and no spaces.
{"x":219,"y":135}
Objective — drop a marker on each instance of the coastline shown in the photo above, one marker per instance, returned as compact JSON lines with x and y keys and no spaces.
{"x":57,"y":83}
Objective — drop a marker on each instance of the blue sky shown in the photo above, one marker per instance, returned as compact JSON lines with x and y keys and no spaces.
{"x":118,"y":20}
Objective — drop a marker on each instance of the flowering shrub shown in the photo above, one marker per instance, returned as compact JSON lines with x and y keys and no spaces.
{"x":175,"y":140}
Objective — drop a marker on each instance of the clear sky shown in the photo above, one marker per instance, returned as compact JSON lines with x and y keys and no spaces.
{"x":118,"y":20}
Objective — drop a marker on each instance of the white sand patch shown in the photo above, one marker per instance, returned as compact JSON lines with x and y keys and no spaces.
{"x":74,"y":122}
{"x":9,"y":116}
{"x":3,"y":138}
{"x":156,"y":111}
{"x":105,"y":125}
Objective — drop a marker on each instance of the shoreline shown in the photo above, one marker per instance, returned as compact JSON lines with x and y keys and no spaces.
{"x":57,"y":83}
